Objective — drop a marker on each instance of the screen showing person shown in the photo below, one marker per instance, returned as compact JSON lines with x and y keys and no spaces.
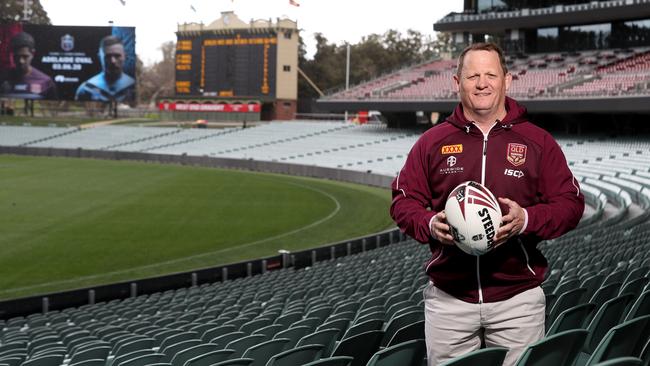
{"x":24,"y":80}
{"x":112,"y":84}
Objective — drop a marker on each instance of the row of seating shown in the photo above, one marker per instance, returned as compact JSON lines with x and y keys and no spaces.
{"x":362,"y":305}
{"x":586,"y":73}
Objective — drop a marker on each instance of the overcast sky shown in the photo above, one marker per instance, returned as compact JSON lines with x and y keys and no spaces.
{"x":338,"y":20}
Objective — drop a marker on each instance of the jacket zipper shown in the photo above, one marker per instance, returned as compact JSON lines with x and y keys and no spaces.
{"x":478,"y":259}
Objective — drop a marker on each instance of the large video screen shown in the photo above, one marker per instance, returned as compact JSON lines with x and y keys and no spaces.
{"x":226,"y":65}
{"x":67,"y":63}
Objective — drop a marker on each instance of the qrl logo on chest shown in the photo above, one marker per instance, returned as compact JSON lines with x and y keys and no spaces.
{"x":516,"y":154}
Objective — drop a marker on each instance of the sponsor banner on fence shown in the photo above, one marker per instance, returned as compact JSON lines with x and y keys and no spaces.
{"x":207,"y":107}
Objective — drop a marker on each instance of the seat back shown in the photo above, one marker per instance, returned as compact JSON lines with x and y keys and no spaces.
{"x":409,"y":353}
{"x":623,"y":340}
{"x":560,"y":349}
{"x":492,"y":356}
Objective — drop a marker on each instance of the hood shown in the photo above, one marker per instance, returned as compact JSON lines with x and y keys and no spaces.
{"x":516,"y":113}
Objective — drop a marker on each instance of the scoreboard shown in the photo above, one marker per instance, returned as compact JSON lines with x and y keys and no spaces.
{"x":234,"y":64}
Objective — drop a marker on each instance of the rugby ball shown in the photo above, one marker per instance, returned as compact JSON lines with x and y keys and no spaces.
{"x":473,"y":215}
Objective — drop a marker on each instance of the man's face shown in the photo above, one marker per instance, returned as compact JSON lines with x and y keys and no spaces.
{"x":23,"y":59}
{"x":113,"y":60}
{"x":482,"y":85}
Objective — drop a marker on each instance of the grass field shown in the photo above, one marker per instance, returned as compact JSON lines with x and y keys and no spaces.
{"x":70,"y":223}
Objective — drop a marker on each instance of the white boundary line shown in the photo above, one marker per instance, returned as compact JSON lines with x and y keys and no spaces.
{"x":196,"y":256}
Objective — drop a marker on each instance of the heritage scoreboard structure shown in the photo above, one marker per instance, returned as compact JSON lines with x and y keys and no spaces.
{"x":231,"y":66}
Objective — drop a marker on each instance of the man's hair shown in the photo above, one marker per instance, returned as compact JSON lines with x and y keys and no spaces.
{"x":21,"y":40}
{"x":491,"y":47}
{"x":109,"y":41}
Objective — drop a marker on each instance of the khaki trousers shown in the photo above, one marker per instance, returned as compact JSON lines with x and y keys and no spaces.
{"x":454,"y":327}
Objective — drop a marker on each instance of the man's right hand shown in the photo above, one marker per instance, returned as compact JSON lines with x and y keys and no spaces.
{"x":440,"y":229}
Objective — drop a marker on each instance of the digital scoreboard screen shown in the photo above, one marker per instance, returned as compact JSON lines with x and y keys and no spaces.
{"x":67,"y":62}
{"x":226,"y":65}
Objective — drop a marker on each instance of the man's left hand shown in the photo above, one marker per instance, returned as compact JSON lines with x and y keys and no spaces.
{"x":511,"y":223}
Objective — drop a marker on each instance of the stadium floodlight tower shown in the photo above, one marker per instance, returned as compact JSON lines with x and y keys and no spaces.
{"x":234,"y":70}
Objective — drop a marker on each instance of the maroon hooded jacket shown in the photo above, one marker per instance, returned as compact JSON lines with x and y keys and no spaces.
{"x":515,"y":160}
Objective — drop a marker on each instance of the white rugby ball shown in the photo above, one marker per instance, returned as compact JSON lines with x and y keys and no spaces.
{"x":473,"y":215}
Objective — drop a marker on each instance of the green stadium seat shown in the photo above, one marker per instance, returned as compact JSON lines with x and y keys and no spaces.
{"x":209,"y":358}
{"x":360,"y":347}
{"x":624,"y":340}
{"x":242,"y":344}
{"x":325,"y":337}
{"x":293,"y":335}
{"x":409,"y":353}
{"x":560,"y":349}
{"x":297,"y":356}
{"x":408,"y":333}
{"x":621,"y":361}
{"x":491,"y":356}
{"x":262,"y":352}
{"x":181,"y":357}
{"x":640,"y":307}
{"x":235,"y":362}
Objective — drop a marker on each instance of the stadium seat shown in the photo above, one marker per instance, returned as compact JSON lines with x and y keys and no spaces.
{"x":47,"y":360}
{"x":144,"y":360}
{"x":171,"y":350}
{"x":242,"y":344}
{"x":297,"y":356}
{"x":99,"y":352}
{"x":332,"y":361}
{"x":293,"y":335}
{"x":325,"y":337}
{"x":565,"y":300}
{"x":576,"y":317}
{"x":209,"y":358}
{"x":181,"y":357}
{"x":560,"y":349}
{"x":400,"y":322}
{"x":116,"y":361}
{"x":408,"y":333}
{"x":626,"y":339}
{"x":609,"y":315}
{"x":360,"y":347}
{"x":235,"y":362}
{"x":366,"y":326}
{"x":621,"y":361}
{"x":96,"y":362}
{"x":224,"y":339}
{"x":640,"y":307}
{"x":262,"y":352}
{"x":491,"y":356}
{"x":410,"y":353}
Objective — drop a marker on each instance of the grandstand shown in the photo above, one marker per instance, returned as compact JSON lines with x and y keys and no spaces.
{"x":565,"y":56}
{"x":373,"y":298}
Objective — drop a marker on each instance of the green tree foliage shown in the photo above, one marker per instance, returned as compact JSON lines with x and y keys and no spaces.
{"x":13,"y":11}
{"x":373,"y":56}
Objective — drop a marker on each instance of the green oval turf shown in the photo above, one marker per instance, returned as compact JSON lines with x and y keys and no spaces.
{"x":69,"y":223}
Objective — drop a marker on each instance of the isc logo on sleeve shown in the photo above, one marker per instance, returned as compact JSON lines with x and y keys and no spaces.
{"x":451,"y":149}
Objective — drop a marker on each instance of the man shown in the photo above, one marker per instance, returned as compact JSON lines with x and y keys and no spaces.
{"x":494,"y":298}
{"x":112,"y":84}
{"x":25,"y":81}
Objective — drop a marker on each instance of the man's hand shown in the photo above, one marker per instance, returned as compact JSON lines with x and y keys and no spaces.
{"x":511,"y":223}
{"x":440,"y":229}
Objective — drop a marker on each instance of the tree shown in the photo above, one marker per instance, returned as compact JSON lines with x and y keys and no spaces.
{"x":157,"y":80}
{"x":13,"y":11}
{"x":373,"y":56}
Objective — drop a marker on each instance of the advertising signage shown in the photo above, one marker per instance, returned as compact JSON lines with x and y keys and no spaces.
{"x":67,"y":63}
